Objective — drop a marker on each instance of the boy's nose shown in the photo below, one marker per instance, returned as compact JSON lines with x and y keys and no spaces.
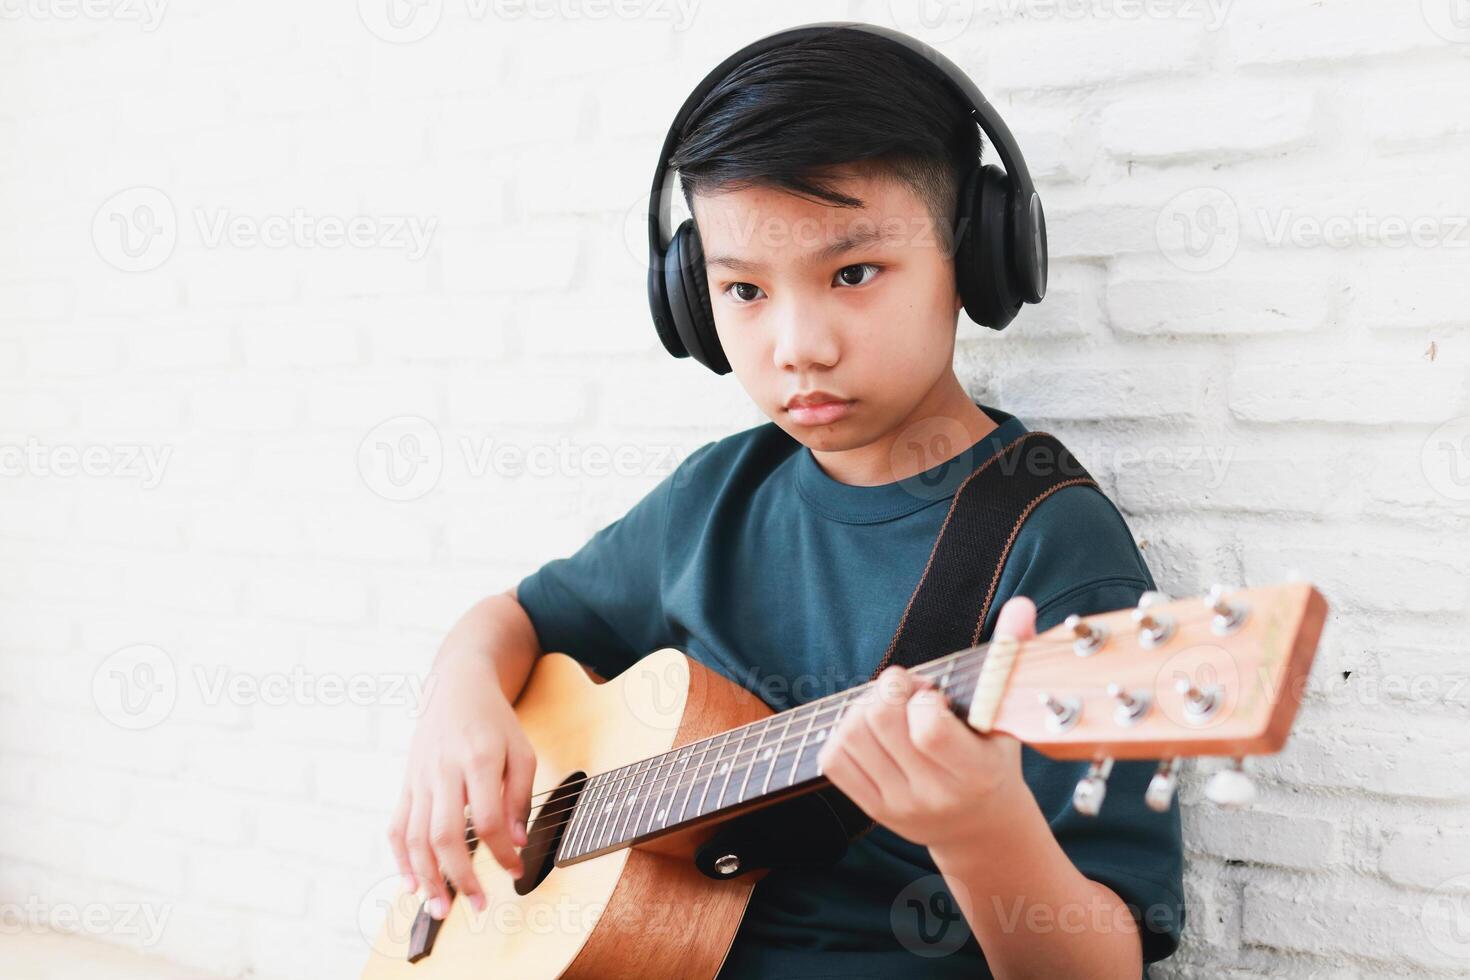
{"x":805,"y":339}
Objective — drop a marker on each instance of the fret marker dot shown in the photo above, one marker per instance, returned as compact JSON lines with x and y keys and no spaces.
{"x":766,"y":754}
{"x":822,"y":735}
{"x":724,"y":768}
{"x":660,"y":814}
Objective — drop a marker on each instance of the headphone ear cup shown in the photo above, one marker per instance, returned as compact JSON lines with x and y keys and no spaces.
{"x":697,"y":325}
{"x":659,"y":293}
{"x":983,"y":260}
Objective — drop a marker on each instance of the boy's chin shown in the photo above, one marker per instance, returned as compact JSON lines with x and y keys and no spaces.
{"x":834,"y":438}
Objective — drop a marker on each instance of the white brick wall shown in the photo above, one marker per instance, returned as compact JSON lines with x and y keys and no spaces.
{"x":1260,"y":273}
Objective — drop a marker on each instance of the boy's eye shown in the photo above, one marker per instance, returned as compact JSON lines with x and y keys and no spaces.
{"x":853,"y":275}
{"x":849,"y":275}
{"x":743,"y":292}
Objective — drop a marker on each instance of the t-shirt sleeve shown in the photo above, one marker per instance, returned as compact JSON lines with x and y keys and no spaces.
{"x":602,"y":604}
{"x":1082,"y":559}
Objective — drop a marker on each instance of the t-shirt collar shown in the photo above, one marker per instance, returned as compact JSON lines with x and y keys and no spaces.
{"x":885,"y":502}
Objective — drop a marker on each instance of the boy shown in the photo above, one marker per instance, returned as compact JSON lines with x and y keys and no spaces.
{"x":783,"y":556}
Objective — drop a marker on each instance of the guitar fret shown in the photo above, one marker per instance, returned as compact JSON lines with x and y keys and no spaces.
{"x":668,"y":810}
{"x":796,"y":764}
{"x":574,"y":823}
{"x":612,"y":833}
{"x":605,"y":805}
{"x":648,"y":792}
{"x":597,"y":789}
{"x":752,"y":758}
{"x":709,"y":779}
{"x":689,"y":792}
{"x":584,"y":813}
{"x":635,"y":782}
{"x":609,"y":808}
{"x":776,"y":755}
{"x":728,"y":767}
{"x":664,"y":787}
{"x":837,"y":708}
{"x":765,"y":757}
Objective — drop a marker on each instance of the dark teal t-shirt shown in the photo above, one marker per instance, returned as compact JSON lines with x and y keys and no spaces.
{"x":755,"y":562}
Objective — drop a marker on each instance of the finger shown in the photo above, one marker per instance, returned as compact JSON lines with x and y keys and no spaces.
{"x":485,"y":779}
{"x":1017,"y":619}
{"x":888,"y":727}
{"x":420,"y":854}
{"x":397,"y":830}
{"x":843,"y":771}
{"x":946,"y":743}
{"x":446,"y":836}
{"x":520,"y":776}
{"x":857,"y":739}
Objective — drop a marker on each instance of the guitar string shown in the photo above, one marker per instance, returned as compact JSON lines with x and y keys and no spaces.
{"x":1037,"y":654}
{"x":775,"y":748}
{"x":719,"y":764}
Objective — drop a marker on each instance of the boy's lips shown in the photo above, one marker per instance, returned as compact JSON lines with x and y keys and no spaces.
{"x":817,"y":408}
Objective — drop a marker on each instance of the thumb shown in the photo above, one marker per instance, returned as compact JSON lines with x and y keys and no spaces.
{"x":1017,"y":619}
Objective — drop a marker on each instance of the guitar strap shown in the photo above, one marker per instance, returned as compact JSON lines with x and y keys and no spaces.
{"x":947,"y":612}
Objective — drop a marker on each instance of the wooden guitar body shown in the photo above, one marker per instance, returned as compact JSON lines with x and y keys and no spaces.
{"x":635,"y":774}
{"x":644,"y":911}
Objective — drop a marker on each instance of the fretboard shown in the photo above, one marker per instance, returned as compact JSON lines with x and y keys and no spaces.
{"x":768,"y":758}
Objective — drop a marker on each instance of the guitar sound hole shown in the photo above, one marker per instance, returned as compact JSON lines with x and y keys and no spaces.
{"x":543,"y":837}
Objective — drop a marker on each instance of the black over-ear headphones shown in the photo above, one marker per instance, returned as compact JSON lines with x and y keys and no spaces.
{"x":1000,"y":230}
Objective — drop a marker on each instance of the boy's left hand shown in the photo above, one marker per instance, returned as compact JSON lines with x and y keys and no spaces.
{"x":913,"y":766}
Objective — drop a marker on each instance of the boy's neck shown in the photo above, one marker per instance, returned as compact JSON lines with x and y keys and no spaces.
{"x":876,"y":463}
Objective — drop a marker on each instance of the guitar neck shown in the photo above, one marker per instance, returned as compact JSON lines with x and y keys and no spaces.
{"x":733,"y":771}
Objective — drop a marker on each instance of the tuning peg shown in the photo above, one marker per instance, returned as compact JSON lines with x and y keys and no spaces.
{"x":1087,"y":798}
{"x":1199,"y":703}
{"x":1231,"y":787}
{"x":1064,"y":712}
{"x":1131,"y":705}
{"x":1228,"y":615}
{"x":1161,"y":787}
{"x":1089,"y":637}
{"x":1154,"y":628}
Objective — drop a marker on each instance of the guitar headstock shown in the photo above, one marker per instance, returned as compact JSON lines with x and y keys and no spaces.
{"x":1221,"y":674}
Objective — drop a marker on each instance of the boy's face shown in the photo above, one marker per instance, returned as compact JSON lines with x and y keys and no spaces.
{"x":859,"y":303}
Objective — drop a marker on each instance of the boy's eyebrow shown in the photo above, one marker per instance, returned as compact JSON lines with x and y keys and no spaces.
{"x":858,"y":239}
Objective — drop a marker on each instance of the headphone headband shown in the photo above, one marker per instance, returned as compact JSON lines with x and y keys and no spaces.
{"x":1026,"y":204}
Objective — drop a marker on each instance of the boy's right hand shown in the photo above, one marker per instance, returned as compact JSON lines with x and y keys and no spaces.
{"x":468,"y":747}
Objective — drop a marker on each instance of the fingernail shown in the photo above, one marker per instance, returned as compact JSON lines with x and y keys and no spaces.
{"x":409,"y":884}
{"x":477,"y":902}
{"x":519,"y":832}
{"x":436,"y":908}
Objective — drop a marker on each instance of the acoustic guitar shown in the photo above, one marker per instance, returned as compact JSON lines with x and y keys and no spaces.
{"x":635,"y":776}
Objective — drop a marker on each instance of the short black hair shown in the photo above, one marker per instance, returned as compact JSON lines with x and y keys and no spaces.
{"x":842,"y":98}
